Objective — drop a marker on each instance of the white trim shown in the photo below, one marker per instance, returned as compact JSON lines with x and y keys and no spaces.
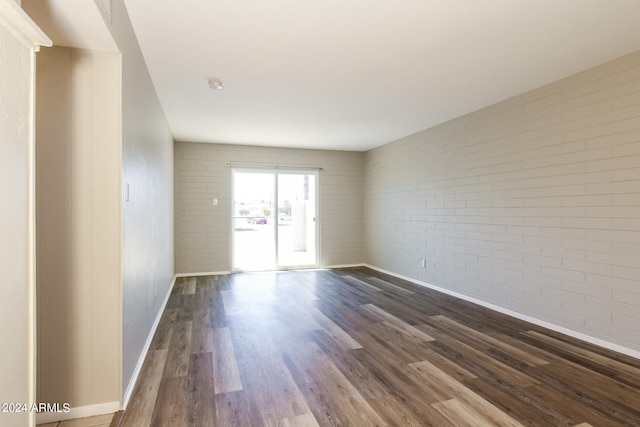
{"x":78,"y":412}
{"x":345,"y":266}
{"x":570,"y":332}
{"x":210,"y":273}
{"x":145,"y":349}
{"x":32,"y":279}
{"x":12,"y":15}
{"x":26,"y":32}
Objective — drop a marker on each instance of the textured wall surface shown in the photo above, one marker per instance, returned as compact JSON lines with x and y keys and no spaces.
{"x":15,"y":131}
{"x":203,"y":231}
{"x":532,"y":204}
{"x":147,"y":218}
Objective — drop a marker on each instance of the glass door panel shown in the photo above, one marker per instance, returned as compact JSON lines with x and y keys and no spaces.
{"x":296,"y":219}
{"x":254,"y":223}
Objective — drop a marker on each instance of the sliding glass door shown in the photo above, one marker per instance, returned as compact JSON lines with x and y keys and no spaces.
{"x":274,"y":219}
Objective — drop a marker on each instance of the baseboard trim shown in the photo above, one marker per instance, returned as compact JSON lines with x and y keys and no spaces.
{"x":145,"y":349}
{"x":78,"y":412}
{"x":344,"y":266}
{"x":561,"y":329}
{"x":209,"y":273}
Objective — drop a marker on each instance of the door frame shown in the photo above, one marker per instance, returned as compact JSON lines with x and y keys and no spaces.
{"x":275,"y":171}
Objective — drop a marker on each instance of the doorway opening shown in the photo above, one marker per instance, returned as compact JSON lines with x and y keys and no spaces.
{"x":274,"y":222}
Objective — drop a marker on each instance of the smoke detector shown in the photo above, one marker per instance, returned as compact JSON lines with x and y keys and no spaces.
{"x":215,"y":84}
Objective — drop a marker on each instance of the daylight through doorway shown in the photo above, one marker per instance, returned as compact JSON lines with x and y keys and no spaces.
{"x":274,"y":219}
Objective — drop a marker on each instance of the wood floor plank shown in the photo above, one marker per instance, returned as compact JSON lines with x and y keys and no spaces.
{"x":171,"y":405}
{"x":144,"y":396}
{"x":175,"y":297}
{"x":336,"y":288}
{"x":450,"y":367}
{"x":623,"y":370}
{"x":164,"y":330}
{"x":346,"y":317}
{"x":233,"y":410}
{"x":447,"y":324}
{"x":399,"y":324}
{"x":92,"y":421}
{"x":404,"y":385}
{"x":362,"y":284}
{"x":217,"y":313}
{"x":185,"y":311}
{"x":356,"y":347}
{"x":201,"y":332}
{"x":608,"y":396}
{"x":200,"y":391}
{"x":231,"y":307}
{"x":343,"y":339}
{"x":225,"y":366}
{"x":299,"y":318}
{"x":116,"y":421}
{"x":474,"y":404}
{"x":295,"y":287}
{"x":352,"y":366}
{"x":395,"y":413}
{"x":177,"y":363}
{"x":189,"y":287}
{"x":202,"y":296}
{"x":340,"y":395}
{"x":388,"y":286}
{"x":385,"y":339}
{"x":477,"y":362}
{"x":564,"y":409}
{"x":522,"y":404}
{"x":266,"y":380}
{"x":306,"y":420}
{"x":462,"y":415}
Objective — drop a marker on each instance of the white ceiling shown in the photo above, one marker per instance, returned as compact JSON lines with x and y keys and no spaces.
{"x":355,"y":74}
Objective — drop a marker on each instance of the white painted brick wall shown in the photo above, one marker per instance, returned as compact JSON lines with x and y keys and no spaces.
{"x":532,"y":204}
{"x":203,"y":231}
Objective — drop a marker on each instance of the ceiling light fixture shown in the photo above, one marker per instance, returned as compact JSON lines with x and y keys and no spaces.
{"x":215,"y":84}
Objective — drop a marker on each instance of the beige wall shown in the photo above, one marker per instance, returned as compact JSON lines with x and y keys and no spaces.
{"x":78,"y":224}
{"x":19,"y":39}
{"x":202,"y":233}
{"x":531,"y":204}
{"x":15,"y":103}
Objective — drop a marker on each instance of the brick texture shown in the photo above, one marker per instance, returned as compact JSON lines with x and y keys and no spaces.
{"x":203,"y":231}
{"x":532,"y":204}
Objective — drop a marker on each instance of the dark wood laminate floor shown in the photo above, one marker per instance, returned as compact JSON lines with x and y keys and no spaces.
{"x":353,"y":347}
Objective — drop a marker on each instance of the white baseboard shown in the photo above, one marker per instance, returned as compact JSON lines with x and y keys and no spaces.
{"x":219,"y":273}
{"x":210,"y":273}
{"x":145,"y":349}
{"x":344,"y":266}
{"x":78,"y":412}
{"x":570,"y":332}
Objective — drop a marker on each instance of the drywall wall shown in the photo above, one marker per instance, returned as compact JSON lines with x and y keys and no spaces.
{"x":147,"y":215}
{"x":203,"y":231}
{"x":532,"y":204}
{"x":19,"y":39}
{"x":78,"y":226}
{"x":15,"y":123}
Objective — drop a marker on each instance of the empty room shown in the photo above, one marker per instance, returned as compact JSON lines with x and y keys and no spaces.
{"x":320,"y":213}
